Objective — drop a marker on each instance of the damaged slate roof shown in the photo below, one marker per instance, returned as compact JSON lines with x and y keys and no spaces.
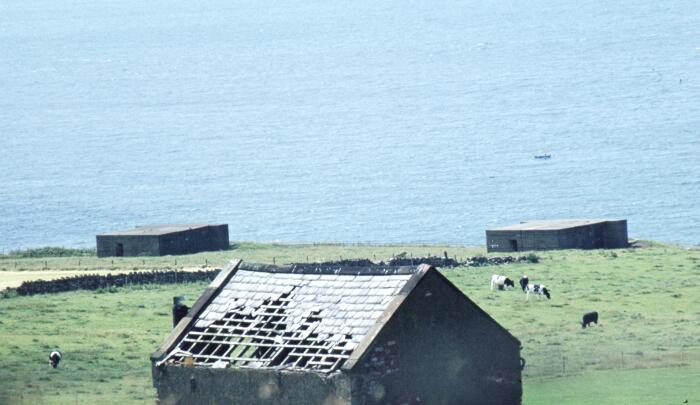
{"x":295,"y":317}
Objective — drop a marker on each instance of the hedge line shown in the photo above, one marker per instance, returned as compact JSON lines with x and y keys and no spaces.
{"x":474,"y":261}
{"x":96,"y":282}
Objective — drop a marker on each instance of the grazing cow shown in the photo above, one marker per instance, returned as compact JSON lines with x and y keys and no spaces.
{"x":589,"y":318}
{"x":523,"y":283}
{"x":54,"y":358}
{"x":180,"y":310}
{"x":501,"y":282}
{"x":537,"y":289}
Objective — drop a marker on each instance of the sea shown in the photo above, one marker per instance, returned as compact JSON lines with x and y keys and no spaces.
{"x":347,"y":121}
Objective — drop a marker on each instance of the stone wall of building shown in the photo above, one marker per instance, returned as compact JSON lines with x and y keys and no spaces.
{"x":581,"y":237}
{"x":209,"y":238}
{"x":616,"y":234}
{"x":602,"y":235}
{"x":179,"y":385}
{"x":439,"y":348}
{"x":500,"y":241}
{"x":132,"y":245}
{"x":503,"y":241}
{"x":538,"y":240}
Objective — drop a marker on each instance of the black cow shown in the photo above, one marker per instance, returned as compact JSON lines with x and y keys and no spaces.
{"x":589,"y":318}
{"x":523,"y":283}
{"x":54,"y":358}
{"x":180,"y":310}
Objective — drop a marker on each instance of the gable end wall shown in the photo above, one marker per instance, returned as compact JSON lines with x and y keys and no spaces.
{"x":439,"y":348}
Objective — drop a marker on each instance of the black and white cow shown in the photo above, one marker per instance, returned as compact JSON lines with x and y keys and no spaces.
{"x":524,"y":282}
{"x":537,"y":289}
{"x":54,"y":358}
{"x":589,"y":318}
{"x":501,"y":282}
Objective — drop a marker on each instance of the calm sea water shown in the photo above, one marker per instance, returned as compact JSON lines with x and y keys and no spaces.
{"x":359,"y":121}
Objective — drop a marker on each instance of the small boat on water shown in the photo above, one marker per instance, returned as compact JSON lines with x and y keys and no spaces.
{"x":547,"y":156}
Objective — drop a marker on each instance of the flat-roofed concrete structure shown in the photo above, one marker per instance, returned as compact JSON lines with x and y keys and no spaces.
{"x":558,"y":234}
{"x":160,"y":240}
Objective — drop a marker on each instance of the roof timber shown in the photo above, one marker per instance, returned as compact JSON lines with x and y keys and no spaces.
{"x":183,"y":326}
{"x":298,"y":317}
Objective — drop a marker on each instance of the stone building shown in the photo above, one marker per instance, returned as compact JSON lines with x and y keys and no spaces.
{"x":314,"y":334}
{"x":558,"y":234}
{"x":160,"y":240}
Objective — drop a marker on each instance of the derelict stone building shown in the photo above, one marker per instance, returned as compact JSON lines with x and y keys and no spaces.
{"x":160,"y":240}
{"x":306,"y":335}
{"x":558,"y":234}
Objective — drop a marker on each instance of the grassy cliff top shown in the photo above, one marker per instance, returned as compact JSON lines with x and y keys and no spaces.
{"x":647,"y":346}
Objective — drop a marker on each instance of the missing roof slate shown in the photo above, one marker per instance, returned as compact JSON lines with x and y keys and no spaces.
{"x":307,"y":317}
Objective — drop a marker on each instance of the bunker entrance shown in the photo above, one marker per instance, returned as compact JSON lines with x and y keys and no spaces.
{"x":513,"y":245}
{"x":120,"y":249}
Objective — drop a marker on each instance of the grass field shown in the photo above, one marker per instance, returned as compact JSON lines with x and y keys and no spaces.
{"x":646,"y":350}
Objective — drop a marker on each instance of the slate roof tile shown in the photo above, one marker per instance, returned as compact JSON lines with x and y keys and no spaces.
{"x":323,"y":309}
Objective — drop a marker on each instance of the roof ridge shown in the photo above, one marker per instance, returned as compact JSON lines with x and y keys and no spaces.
{"x":333,"y":268}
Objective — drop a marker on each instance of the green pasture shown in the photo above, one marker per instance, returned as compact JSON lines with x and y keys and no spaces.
{"x":645,"y":351}
{"x":641,"y":386}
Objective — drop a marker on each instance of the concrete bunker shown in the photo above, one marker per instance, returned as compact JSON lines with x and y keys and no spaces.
{"x":558,"y":234}
{"x":308,"y":334}
{"x":160,"y":240}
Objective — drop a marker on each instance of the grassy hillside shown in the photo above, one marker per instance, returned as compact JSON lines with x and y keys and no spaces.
{"x":646,"y":350}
